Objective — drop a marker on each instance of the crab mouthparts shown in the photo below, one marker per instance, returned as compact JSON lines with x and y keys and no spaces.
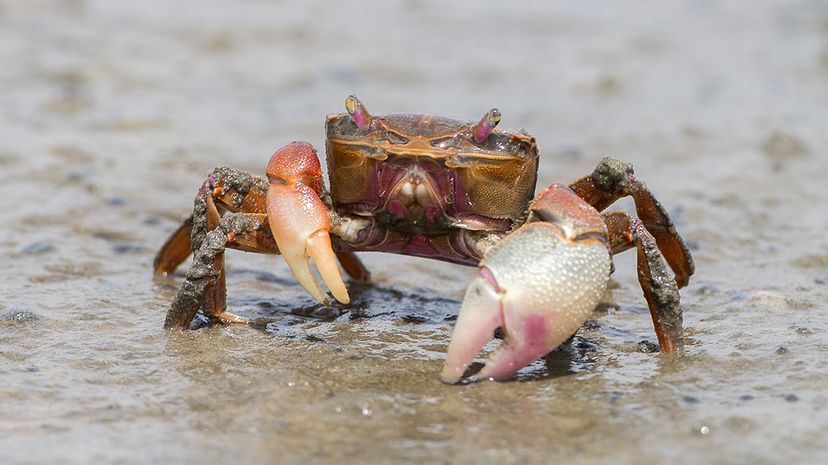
{"x":413,"y":198}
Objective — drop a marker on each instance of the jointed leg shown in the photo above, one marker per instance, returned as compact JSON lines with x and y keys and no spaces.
{"x":233,"y":190}
{"x":216,"y":295}
{"x":660,"y":290}
{"x":284,"y":214}
{"x":204,"y":279}
{"x":612,"y":180}
{"x":175,"y":250}
{"x":226,"y":189}
{"x":353,"y":266}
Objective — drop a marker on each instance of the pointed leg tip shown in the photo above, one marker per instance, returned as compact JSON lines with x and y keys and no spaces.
{"x":231,"y":318}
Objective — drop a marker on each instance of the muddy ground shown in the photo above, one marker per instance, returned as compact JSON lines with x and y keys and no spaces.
{"x":112,"y":113}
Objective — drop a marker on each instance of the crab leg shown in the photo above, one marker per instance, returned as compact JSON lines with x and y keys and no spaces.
{"x":299,"y":219}
{"x":225,"y":189}
{"x":235,"y":191}
{"x":216,"y":293}
{"x":204,"y":280}
{"x":175,"y":250}
{"x":613,"y":179}
{"x":539,"y":284}
{"x":659,"y":289}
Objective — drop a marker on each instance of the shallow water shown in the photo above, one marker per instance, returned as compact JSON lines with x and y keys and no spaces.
{"x":112,"y":114}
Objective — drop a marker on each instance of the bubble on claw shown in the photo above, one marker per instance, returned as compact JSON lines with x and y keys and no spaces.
{"x":484,"y":127}
{"x":359,"y":114}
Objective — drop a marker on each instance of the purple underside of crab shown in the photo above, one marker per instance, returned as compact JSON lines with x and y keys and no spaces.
{"x":445,"y":189}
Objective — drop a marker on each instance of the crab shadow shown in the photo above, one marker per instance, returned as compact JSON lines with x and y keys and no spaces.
{"x":368,"y":302}
{"x":386,"y":311}
{"x":573,"y":356}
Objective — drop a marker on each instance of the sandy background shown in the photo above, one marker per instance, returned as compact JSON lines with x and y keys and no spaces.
{"x":112,"y":113}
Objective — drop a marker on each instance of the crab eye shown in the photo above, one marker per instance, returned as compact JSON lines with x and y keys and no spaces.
{"x":395,"y":138}
{"x":359,"y":114}
{"x":484,"y":127}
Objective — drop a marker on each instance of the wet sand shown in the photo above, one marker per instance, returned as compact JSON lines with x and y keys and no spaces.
{"x":112,"y":113}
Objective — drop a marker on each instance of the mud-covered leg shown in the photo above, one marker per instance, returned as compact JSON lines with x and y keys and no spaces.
{"x":231,"y":190}
{"x":660,"y":290}
{"x":613,"y":179}
{"x":216,"y":294}
{"x":200,"y":277}
{"x":247,"y":231}
{"x":235,"y":191}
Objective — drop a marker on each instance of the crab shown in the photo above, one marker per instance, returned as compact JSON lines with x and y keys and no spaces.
{"x":446,"y":189}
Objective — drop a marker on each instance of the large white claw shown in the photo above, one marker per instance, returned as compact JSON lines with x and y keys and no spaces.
{"x":539,"y":286}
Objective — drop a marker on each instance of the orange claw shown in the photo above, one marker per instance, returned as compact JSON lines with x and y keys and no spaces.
{"x":299,"y":219}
